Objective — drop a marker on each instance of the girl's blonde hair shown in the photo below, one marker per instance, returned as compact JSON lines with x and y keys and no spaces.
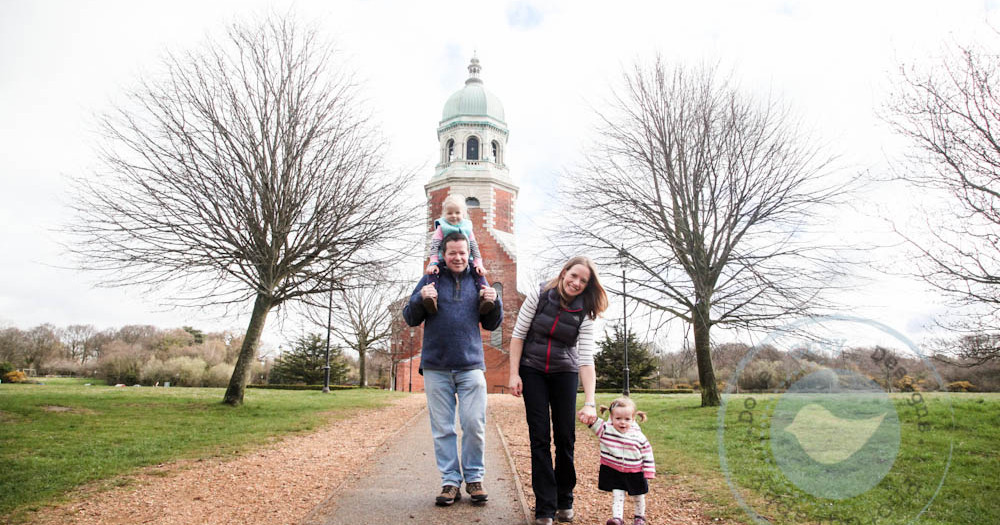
{"x":457,"y":200}
{"x":624,"y":402}
{"x":595,"y":299}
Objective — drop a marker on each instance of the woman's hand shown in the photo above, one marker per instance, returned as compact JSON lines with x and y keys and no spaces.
{"x":587,"y":415}
{"x":514,"y":385}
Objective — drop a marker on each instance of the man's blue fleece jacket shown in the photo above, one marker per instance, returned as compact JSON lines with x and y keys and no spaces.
{"x":452,"y":340}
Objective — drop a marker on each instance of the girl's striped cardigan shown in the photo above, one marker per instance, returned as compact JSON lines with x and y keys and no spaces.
{"x":628,"y":452}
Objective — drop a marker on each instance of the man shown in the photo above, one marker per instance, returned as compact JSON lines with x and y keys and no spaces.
{"x":452,"y":364}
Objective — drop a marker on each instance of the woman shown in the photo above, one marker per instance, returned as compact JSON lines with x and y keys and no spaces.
{"x":551,"y":353}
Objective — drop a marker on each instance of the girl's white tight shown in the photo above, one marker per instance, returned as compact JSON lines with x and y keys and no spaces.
{"x":618,"y":504}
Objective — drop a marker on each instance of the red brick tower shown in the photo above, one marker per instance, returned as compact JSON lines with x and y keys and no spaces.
{"x":473,"y":147}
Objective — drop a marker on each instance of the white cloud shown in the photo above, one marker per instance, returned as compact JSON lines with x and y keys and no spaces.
{"x":523,"y":15}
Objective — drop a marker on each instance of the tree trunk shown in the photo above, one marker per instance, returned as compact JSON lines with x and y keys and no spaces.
{"x":248,"y":352}
{"x":703,"y":355}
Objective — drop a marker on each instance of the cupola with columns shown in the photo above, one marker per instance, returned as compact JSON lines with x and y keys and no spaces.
{"x":472,"y":136}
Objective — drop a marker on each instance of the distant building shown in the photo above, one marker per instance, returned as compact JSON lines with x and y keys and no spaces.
{"x":472,"y":136}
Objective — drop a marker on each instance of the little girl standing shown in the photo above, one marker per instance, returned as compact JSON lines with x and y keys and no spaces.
{"x":626,"y":459}
{"x":454,"y":218}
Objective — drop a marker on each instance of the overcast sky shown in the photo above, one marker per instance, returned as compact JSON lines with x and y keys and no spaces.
{"x":549,"y":62}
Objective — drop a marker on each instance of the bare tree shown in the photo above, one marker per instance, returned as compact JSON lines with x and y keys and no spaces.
{"x":142,"y":335}
{"x":360,"y":317}
{"x":395,"y":353}
{"x":887,"y":362}
{"x":676,"y":364}
{"x":80,"y":341}
{"x":705,"y":195}
{"x":12,"y":344}
{"x":248,"y":172}
{"x":949,"y":112}
{"x":968,"y":350}
{"x":41,"y":345}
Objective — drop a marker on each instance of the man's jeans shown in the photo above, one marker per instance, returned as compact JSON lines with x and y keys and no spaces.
{"x":441,"y":387}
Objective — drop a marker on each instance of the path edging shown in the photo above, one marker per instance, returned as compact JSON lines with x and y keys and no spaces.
{"x":513,"y":469}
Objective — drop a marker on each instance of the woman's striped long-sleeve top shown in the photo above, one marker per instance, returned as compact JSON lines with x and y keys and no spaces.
{"x":628,"y":452}
{"x":585,"y":345}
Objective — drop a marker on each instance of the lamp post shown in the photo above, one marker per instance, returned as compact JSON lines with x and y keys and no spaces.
{"x":329,"y":321}
{"x":624,"y":263}
{"x":410,"y":367}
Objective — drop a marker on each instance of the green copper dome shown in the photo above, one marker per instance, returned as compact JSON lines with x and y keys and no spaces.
{"x":473,"y":100}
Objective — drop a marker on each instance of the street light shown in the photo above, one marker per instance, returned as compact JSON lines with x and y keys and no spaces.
{"x":624,"y":263}
{"x":411,"y":360}
{"x":329,"y":321}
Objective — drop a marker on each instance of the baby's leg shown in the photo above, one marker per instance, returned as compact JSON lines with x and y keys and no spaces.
{"x":639,"y":504}
{"x":618,"y":504}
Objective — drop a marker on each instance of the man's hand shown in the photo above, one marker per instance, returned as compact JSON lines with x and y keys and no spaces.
{"x":489,"y":293}
{"x":428,"y":292}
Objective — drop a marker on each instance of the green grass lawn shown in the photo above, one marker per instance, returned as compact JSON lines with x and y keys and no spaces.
{"x":68,"y":381}
{"x":61,"y":435}
{"x":685,"y":443}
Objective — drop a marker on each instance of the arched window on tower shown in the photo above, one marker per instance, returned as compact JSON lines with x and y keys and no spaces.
{"x":496,"y":336}
{"x":471,"y":202}
{"x":472,"y":149}
{"x":496,"y":152}
{"x":449,"y":151}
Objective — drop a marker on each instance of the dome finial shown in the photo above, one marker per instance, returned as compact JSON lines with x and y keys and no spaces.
{"x":474,"y":69}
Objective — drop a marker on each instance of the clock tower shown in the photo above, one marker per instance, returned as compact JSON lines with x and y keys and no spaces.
{"x":472,"y":155}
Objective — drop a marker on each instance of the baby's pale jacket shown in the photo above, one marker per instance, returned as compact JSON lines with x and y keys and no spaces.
{"x":628,"y":452}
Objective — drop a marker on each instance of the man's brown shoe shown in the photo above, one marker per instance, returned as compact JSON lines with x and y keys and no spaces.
{"x":449,"y":494}
{"x":485,"y":306}
{"x":476,"y":492}
{"x":430,"y":305}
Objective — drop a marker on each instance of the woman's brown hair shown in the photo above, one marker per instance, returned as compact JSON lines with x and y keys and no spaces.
{"x":595,"y":299}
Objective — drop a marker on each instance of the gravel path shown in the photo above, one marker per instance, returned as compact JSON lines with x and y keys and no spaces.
{"x":281,"y":483}
{"x":277,"y":484}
